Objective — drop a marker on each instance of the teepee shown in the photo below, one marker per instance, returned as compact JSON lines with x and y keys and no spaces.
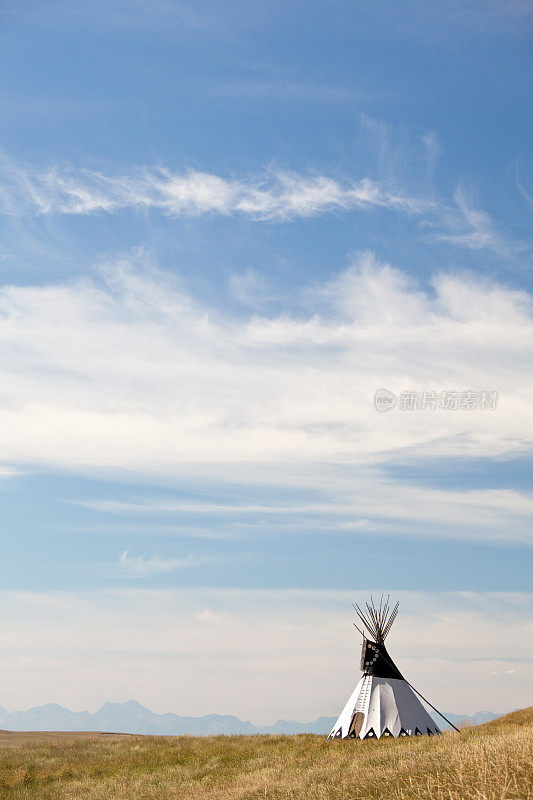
{"x":383,"y":703}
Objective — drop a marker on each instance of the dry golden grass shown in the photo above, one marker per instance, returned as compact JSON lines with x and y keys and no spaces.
{"x":492,"y":762}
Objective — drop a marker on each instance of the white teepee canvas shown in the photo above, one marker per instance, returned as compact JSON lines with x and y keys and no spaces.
{"x":383,"y":702}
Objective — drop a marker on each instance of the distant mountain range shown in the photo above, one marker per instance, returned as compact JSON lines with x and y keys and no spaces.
{"x":132,"y":717}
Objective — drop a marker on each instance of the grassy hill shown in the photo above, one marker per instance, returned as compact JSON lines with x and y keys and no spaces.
{"x":489,"y":762}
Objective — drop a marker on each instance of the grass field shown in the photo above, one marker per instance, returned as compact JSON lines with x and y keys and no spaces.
{"x":491,"y":762}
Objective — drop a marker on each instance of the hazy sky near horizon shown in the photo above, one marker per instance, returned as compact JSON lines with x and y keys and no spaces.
{"x":225,"y":226}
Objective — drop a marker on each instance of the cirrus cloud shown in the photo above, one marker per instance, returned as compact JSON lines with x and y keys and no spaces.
{"x":126,"y":372}
{"x":277,"y":195}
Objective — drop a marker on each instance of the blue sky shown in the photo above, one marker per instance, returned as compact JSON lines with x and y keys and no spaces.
{"x":224,"y":227}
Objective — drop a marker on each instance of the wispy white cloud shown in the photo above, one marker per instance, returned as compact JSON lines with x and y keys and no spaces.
{"x":287,"y":88}
{"x":375,"y":503}
{"x":276,"y":196}
{"x":208,"y":617}
{"x":274,"y":651}
{"x":133,"y":374}
{"x":473,"y":228}
{"x":520,"y":186}
{"x":9,"y":472}
{"x":248,"y":286}
{"x":141,"y":567}
{"x":145,"y":566}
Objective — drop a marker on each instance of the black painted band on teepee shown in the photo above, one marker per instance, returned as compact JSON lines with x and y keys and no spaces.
{"x":377,"y":662}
